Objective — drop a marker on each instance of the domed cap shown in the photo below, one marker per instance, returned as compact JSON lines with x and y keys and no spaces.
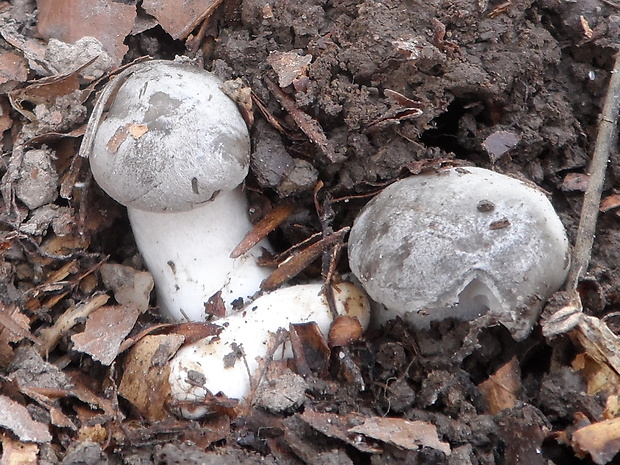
{"x":164,"y":137}
{"x":460,"y":243}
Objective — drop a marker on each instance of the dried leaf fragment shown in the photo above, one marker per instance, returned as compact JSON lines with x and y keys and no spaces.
{"x":295,"y":264}
{"x":70,"y":20}
{"x":502,"y":387}
{"x":402,"y":433}
{"x":288,"y":65}
{"x":106,"y":328}
{"x":599,"y":376}
{"x":598,"y":341}
{"x":50,"y":336}
{"x":310,"y":349}
{"x":601,"y":440}
{"x":309,"y":126}
{"x":15,"y":452}
{"x":5,"y":118}
{"x":14,"y":326}
{"x":130,"y":287}
{"x":337,"y":426}
{"x":12,"y":68}
{"x":145,"y":380}
{"x":138,"y":130}
{"x":261,"y":229}
{"x":575,"y":182}
{"x":500,"y":143}
{"x":344,"y":330}
{"x":179,"y":22}
{"x":16,"y":418}
{"x":610,"y":202}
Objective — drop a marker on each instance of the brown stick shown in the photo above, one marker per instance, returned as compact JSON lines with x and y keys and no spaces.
{"x":592,"y":199}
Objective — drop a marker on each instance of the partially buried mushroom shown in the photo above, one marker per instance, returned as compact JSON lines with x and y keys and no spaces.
{"x":227,"y":362}
{"x":167,"y":143}
{"x":460,"y":243}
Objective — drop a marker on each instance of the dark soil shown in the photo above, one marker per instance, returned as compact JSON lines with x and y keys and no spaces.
{"x":398,"y":87}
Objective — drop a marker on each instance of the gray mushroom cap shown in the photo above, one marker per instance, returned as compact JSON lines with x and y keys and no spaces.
{"x":164,"y":137}
{"x":460,"y":243}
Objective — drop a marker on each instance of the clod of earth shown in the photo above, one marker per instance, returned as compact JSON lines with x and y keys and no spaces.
{"x":225,"y":362}
{"x":460,"y":243}
{"x":167,"y":143}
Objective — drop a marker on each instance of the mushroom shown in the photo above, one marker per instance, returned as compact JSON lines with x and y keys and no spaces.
{"x":223,"y":363}
{"x":167,"y":143}
{"x":460,"y":243}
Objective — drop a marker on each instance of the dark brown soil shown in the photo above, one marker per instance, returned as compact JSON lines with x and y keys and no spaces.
{"x":398,"y":87}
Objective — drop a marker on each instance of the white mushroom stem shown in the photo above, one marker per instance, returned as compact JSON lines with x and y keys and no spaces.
{"x":252,"y":330}
{"x":188,"y":254}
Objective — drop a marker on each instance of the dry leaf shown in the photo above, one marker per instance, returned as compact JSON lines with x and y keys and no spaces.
{"x":145,"y":380}
{"x":5,"y":118}
{"x":46,"y":92}
{"x":106,"y":328}
{"x":14,"y":326}
{"x":575,"y":182}
{"x":501,"y":389}
{"x":130,"y":287}
{"x":310,"y":349}
{"x":15,"y":417}
{"x":289,"y":66}
{"x":610,"y":202}
{"x":56,"y":416}
{"x":601,"y":359}
{"x":295,"y":264}
{"x":599,"y":376}
{"x":50,"y":336}
{"x":13,"y":68}
{"x":106,"y":20}
{"x":587,"y":30}
{"x":500,"y":143}
{"x":337,"y":426}
{"x":309,"y":126}
{"x":179,"y":22}
{"x":344,"y":330}
{"x":612,"y":407}
{"x":402,"y":433}
{"x":261,"y":229}
{"x":18,"y":453}
{"x":601,"y":440}
{"x":138,"y":130}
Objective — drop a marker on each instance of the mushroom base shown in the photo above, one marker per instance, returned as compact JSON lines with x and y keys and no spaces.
{"x":251,"y":333}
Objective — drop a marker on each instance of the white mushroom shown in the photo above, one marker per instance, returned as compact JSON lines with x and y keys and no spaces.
{"x":460,"y":243}
{"x":210,"y":366}
{"x":167,"y":143}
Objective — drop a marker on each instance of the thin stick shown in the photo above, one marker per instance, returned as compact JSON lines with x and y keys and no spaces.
{"x":592,"y":199}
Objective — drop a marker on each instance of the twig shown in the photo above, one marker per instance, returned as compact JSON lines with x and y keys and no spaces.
{"x":592,"y":199}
